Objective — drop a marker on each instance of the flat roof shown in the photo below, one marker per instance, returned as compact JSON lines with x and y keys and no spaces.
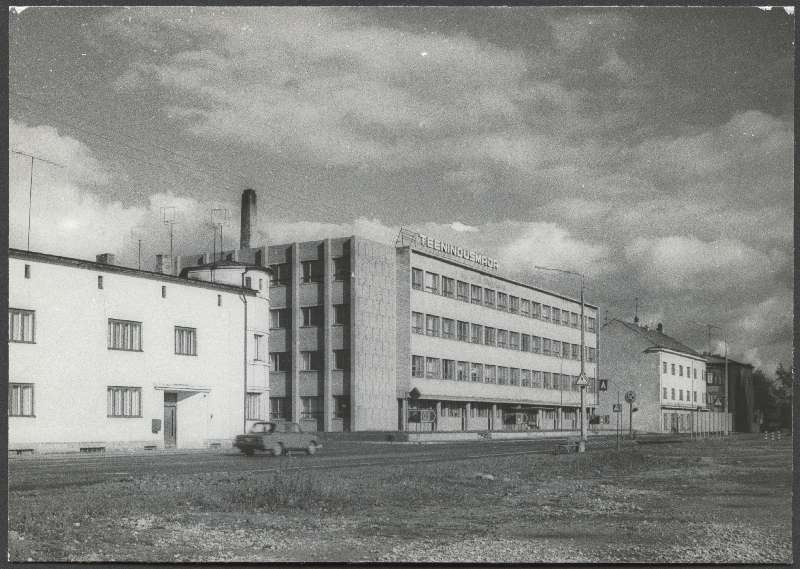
{"x":494,"y":275}
{"x":95,"y":266}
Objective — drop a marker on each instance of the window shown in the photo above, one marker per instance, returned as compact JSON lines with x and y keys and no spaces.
{"x":536,"y":344}
{"x":548,"y":380}
{"x":432,"y":368}
{"x":341,"y":406}
{"x":341,"y":359}
{"x":536,"y":310}
{"x":525,"y":307}
{"x":21,"y":325}
{"x":417,"y":322}
{"x":417,"y":366}
{"x":672,"y":393}
{"x":545,"y":313}
{"x":536,"y":378}
{"x":448,"y":287}
{"x":526,"y":378}
{"x":248,"y":282}
{"x":576,"y":352}
{"x":312,"y":271}
{"x":513,"y":304}
{"x":341,"y":314}
{"x":555,"y":314}
{"x":448,"y":369}
{"x":477,"y":294}
{"x":513,"y":340}
{"x":462,"y":291}
{"x":665,"y":393}
{"x":341,"y":268}
{"x":416,"y":279}
{"x":124,"y":335}
{"x":185,"y":341}
{"x":476,"y":372}
{"x":259,"y":347}
{"x":311,"y":407}
{"x":664,"y":365}
{"x":564,"y":318}
{"x":514,"y":380}
{"x":477,"y":334}
{"x":463,"y":331}
{"x":279,"y":318}
{"x":260,"y":284}
{"x":590,"y":327}
{"x":694,"y":396}
{"x":312,"y":316}
{"x":672,"y":368}
{"x":278,"y":408}
{"x":163,"y":292}
{"x":546,"y":343}
{"x":124,"y":401}
{"x":704,"y":398}
{"x":100,"y":282}
{"x":280,"y":274}
{"x":255,"y":411}
{"x":680,"y":395}
{"x":592,"y":355}
{"x":680,"y":370}
{"x":556,"y":346}
{"x":461,"y":371}
{"x":489,"y":336}
{"x":694,"y":372}
{"x":311,"y":361}
{"x":432,"y":282}
{"x":490,"y":375}
{"x":502,"y":375}
{"x":279,"y":361}
{"x":27,"y":271}
{"x":448,"y":328}
{"x":502,"y":301}
{"x":20,"y":400}
{"x":573,"y":319}
{"x":219,"y":300}
{"x":526,"y":343}
{"x":502,"y":338}
{"x":488,"y":297}
{"x":432,"y":325}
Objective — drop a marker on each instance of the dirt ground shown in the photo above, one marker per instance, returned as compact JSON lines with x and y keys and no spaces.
{"x":707,"y":501}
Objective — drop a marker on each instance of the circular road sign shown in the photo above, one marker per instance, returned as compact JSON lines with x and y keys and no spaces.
{"x":630,"y":396}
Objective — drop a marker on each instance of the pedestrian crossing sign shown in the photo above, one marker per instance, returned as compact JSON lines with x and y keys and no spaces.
{"x":603,"y":385}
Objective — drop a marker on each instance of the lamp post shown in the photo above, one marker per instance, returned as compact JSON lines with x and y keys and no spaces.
{"x":582,"y":379}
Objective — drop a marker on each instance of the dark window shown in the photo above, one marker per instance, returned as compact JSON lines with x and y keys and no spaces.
{"x":477,"y":294}
{"x":341,"y":268}
{"x":312,"y":316}
{"x":279,"y":361}
{"x":27,"y":271}
{"x":279,"y":318}
{"x":99,"y":281}
{"x":416,"y":279}
{"x":311,"y":361}
{"x":341,"y":359}
{"x":418,"y":322}
{"x":462,"y":291}
{"x":312,"y":271}
{"x":417,"y":366}
{"x":341,"y":314}
{"x":448,"y":287}
{"x":341,"y":407}
{"x":280,"y":274}
{"x":448,"y":328}
{"x":278,"y":408}
{"x":163,"y":292}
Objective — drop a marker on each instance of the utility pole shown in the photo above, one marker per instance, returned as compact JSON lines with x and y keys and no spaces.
{"x":30,"y":187}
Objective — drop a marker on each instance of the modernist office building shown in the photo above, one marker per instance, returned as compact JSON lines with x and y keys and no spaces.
{"x":422,"y":335}
{"x":741,"y":399}
{"x":104,"y":356}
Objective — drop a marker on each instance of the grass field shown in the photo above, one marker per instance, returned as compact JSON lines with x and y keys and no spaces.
{"x":708,"y":501}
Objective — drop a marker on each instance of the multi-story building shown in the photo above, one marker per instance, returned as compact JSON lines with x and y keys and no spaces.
{"x":741,"y":399}
{"x":667,"y":377}
{"x":104,"y":356}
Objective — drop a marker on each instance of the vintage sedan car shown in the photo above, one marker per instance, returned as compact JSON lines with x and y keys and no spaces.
{"x":278,"y":438}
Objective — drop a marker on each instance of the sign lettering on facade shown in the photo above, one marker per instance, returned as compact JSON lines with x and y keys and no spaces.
{"x":456,"y":251}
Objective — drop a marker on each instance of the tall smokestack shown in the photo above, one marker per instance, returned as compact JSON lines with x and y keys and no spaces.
{"x":249,"y":217}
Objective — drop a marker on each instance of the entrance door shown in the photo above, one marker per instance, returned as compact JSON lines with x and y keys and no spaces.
{"x":170,"y":419}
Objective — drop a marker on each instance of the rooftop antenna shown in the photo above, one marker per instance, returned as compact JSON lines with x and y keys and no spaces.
{"x":136,"y":235}
{"x":219,"y":218}
{"x":636,"y":311}
{"x":168,"y":218}
{"x":30,"y":187}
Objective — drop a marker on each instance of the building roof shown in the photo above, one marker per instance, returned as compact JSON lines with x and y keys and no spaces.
{"x":715,"y":359}
{"x":107,"y":268}
{"x":659,"y":339}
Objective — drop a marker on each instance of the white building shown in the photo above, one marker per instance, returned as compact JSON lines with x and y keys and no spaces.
{"x":103,"y":356}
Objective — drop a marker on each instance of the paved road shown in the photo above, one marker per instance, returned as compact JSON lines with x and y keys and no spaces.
{"x":31,"y":473}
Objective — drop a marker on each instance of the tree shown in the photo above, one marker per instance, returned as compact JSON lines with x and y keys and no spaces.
{"x":773,"y":397}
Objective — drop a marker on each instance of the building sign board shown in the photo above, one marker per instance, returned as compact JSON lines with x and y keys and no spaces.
{"x":457,"y":251}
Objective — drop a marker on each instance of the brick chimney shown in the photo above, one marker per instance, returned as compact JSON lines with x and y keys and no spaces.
{"x":106,"y":258}
{"x":249,"y":218}
{"x":164,"y":264}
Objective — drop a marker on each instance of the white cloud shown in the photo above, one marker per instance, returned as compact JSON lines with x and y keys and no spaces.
{"x":462,"y":228}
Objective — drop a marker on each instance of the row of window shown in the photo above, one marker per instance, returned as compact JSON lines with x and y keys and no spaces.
{"x":312,"y":316}
{"x":436,"y":368}
{"x":121,"y":401}
{"x":310,"y":407}
{"x":474,"y":294}
{"x":690,"y":371}
{"x":309,"y":360}
{"x":432,"y":325}
{"x":312,"y":271}
{"x":680,"y":395}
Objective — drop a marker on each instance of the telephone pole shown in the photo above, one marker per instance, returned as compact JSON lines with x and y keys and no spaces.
{"x":30,"y":187}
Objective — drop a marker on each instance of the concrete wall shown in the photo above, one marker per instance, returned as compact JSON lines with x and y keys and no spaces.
{"x":71,"y":366}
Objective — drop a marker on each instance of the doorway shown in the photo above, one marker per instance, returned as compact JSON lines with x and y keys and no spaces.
{"x":170,"y":419}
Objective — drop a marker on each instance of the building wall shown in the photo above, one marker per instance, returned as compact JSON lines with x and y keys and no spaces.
{"x":682,"y":378}
{"x":71,"y":366}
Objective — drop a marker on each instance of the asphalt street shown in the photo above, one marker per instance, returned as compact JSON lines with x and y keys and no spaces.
{"x":30,"y":473}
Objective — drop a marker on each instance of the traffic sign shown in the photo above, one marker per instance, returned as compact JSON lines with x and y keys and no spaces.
{"x":630,"y":396}
{"x":603,"y":386}
{"x":582,"y":380}
{"x":617,"y":407}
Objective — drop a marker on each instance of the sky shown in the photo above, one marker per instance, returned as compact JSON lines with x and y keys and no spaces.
{"x":648,"y":148}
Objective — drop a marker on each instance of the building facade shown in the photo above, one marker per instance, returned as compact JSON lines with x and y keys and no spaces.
{"x":103,"y":356}
{"x":741,"y":399}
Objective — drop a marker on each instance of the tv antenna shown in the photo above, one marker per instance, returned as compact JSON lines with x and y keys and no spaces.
{"x":168,"y":218}
{"x":219,"y":218}
{"x":136,"y":235}
{"x":30,"y":186}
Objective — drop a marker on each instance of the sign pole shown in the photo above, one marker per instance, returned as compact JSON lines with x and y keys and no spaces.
{"x":619,"y":405}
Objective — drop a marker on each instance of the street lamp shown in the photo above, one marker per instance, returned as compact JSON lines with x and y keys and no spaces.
{"x":582,"y":381}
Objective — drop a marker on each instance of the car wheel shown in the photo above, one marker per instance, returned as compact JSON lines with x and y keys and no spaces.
{"x":312,"y":448}
{"x":277,"y":449}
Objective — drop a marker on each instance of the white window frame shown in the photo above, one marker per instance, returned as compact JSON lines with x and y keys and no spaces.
{"x":21,"y":325}
{"x":21,"y":400}
{"x":124,"y":402}
{"x":124,"y":335}
{"x":185,"y":341}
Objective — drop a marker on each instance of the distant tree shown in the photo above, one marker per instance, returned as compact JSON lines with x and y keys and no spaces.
{"x":763,"y":399}
{"x":782,"y":395}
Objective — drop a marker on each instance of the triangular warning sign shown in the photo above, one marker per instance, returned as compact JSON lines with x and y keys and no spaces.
{"x":582,"y":380}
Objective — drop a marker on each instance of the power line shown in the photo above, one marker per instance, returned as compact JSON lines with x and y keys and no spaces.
{"x":30,"y":186}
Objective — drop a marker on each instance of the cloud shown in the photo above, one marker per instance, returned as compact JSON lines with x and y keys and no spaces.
{"x":462,"y":228}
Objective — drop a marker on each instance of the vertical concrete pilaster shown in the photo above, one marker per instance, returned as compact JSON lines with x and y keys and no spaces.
{"x":493,"y":417}
{"x":327,"y":349}
{"x":438,"y":421}
{"x":559,"y":418}
{"x":404,"y":414}
{"x":467,"y":411}
{"x":294,"y":339}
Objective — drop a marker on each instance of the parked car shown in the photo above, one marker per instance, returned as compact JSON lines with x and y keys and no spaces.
{"x":278,"y":438}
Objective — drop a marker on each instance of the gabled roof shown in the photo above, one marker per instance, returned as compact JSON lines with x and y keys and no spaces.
{"x":659,"y":339}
